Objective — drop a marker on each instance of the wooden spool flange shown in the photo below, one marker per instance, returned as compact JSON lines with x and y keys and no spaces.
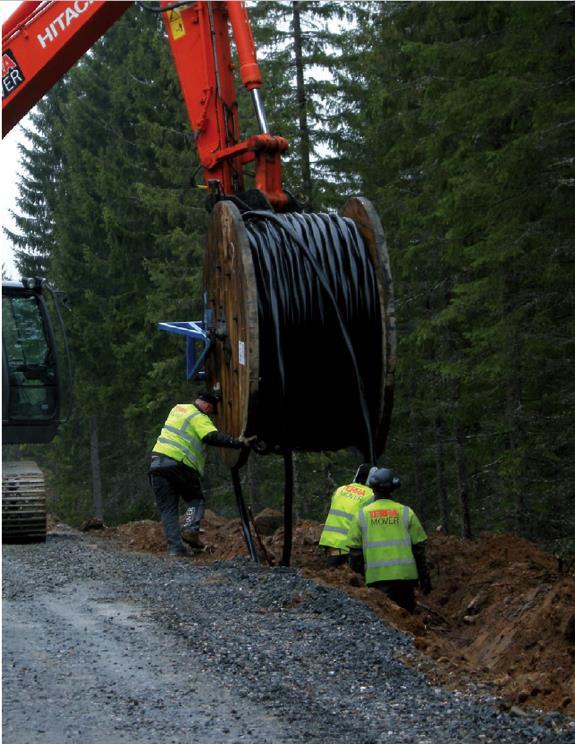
{"x":232,"y":308}
{"x":362,"y":212}
{"x":231,"y":301}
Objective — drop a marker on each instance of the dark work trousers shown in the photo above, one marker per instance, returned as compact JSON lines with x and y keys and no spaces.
{"x":170,"y":481}
{"x":402,"y":592}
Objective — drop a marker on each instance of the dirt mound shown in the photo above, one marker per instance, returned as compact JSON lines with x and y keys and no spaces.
{"x":501,"y":613}
{"x":506,"y":605}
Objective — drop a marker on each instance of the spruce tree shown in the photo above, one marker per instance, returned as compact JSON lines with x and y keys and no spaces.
{"x":457,"y":114}
{"x":298,"y":45}
{"x":124,"y":241}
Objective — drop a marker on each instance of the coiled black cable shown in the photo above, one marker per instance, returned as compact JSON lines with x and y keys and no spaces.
{"x":320,"y":333}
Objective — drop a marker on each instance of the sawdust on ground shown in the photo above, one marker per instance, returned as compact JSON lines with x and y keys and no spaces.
{"x":501,"y":615}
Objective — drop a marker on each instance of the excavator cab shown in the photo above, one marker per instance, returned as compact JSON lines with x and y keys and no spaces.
{"x":30,"y":405}
{"x":30,"y":380}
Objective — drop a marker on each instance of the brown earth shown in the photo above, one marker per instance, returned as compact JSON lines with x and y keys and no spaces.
{"x":501,"y":615}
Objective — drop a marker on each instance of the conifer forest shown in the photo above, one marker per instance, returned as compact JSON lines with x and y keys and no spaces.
{"x":456,"y":119}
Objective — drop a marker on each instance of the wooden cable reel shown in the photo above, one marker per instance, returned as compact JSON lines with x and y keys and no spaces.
{"x":233,"y":366}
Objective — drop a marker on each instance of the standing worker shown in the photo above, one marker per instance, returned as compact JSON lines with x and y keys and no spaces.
{"x":391,"y":540}
{"x":345,"y":503}
{"x":178,"y":461}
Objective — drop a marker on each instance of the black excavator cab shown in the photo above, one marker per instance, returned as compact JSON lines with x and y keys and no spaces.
{"x":30,"y":405}
{"x":30,"y":379}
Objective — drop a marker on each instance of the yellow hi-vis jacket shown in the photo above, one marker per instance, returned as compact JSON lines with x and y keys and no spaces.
{"x":385,"y":531}
{"x":182,"y":434}
{"x":345,"y":503}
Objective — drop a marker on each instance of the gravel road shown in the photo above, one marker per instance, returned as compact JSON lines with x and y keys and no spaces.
{"x":101,"y":645}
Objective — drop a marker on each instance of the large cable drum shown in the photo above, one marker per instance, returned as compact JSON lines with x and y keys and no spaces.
{"x":300,"y":307}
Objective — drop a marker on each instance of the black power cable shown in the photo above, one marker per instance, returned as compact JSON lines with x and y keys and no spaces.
{"x":288,"y":508}
{"x":242,"y":509}
{"x":159,"y":9}
{"x":320,"y":332}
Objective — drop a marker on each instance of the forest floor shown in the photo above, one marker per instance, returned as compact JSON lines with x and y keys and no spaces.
{"x":501,"y":614}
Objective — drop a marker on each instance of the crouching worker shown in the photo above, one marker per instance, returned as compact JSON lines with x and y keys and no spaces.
{"x":388,"y":539}
{"x":178,"y":461}
{"x":345,"y":503}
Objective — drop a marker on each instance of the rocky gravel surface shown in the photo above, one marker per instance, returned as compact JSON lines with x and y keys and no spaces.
{"x":104,"y":645}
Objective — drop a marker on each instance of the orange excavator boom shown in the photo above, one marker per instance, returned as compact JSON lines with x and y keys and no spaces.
{"x":42,"y":40}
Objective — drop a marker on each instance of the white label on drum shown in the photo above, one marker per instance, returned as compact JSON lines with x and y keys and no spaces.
{"x":242,"y":352}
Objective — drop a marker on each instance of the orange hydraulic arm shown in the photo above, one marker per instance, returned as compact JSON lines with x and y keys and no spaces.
{"x":42,"y":40}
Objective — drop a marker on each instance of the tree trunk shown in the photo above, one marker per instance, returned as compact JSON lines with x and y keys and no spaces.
{"x":514,"y":443}
{"x":304,"y":143}
{"x":442,"y":501}
{"x":96,"y":473}
{"x":417,"y":453}
{"x":462,"y":482}
{"x":514,"y":411}
{"x":330,"y":481}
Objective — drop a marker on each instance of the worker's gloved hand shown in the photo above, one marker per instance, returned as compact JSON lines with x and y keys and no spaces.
{"x":247,"y":441}
{"x":425,"y":583}
{"x":260,"y":447}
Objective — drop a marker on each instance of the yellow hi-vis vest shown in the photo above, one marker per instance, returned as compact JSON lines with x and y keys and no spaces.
{"x":345,"y":503}
{"x":386,"y":530}
{"x":182,"y":434}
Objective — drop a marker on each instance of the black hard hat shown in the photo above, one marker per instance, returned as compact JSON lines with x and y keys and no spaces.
{"x":383,"y":480}
{"x":212,"y":398}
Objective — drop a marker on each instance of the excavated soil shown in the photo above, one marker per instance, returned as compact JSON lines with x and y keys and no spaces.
{"x":501,"y":615}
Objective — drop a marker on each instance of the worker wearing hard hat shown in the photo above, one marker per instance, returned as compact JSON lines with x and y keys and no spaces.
{"x":178,"y":461}
{"x":391,"y":541}
{"x":345,"y":503}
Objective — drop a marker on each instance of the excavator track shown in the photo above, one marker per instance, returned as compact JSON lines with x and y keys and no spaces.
{"x":23,"y":503}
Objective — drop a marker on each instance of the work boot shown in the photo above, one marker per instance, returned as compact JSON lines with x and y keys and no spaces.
{"x":192,"y":538}
{"x":178,"y":552}
{"x":173,"y":536}
{"x":194,"y":514}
